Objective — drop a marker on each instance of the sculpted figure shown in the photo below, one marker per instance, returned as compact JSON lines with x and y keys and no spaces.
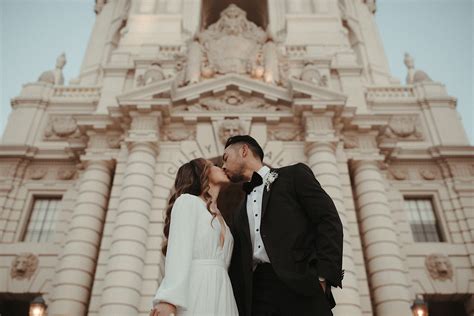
{"x":55,"y":76}
{"x":439,"y":267}
{"x":152,"y":74}
{"x":24,"y":266}
{"x":413,"y":75}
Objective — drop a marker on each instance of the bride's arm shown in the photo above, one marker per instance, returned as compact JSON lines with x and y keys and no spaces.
{"x":173,"y":289}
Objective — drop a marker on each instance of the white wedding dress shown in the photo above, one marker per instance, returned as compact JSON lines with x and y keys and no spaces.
{"x":196,"y":279}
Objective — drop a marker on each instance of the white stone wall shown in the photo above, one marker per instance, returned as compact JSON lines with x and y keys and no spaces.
{"x":364,"y":134}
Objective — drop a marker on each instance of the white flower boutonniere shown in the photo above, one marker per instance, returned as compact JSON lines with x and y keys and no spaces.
{"x":271,"y":176}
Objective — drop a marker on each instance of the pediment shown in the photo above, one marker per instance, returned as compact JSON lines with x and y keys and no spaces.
{"x":243,"y":84}
{"x":303,"y":90}
{"x":228,"y":86}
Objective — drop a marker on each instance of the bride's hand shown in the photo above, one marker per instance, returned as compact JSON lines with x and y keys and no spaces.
{"x":163,"y":309}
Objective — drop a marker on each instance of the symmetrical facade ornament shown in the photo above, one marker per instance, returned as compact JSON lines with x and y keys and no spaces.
{"x":166,"y":81}
{"x":24,"y":266}
{"x":232,"y":45}
{"x":439,"y":267}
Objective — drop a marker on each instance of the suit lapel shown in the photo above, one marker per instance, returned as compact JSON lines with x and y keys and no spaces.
{"x":266,"y":195}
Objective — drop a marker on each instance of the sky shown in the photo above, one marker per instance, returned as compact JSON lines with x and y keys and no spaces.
{"x":437,"y":33}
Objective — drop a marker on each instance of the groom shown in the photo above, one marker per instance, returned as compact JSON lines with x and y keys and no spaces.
{"x":287,"y":237}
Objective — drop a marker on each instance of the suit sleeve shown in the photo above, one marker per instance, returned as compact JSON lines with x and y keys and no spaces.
{"x":327,"y":225}
{"x":175,"y":284}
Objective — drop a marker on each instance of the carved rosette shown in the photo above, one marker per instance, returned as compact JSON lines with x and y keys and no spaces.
{"x":439,"y":267}
{"x":406,"y":127}
{"x":24,"y":266}
{"x":60,"y":127}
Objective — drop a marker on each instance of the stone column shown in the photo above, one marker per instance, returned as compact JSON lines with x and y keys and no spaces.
{"x":123,"y":277}
{"x":320,"y":150}
{"x":77,"y":261}
{"x":389,"y":287}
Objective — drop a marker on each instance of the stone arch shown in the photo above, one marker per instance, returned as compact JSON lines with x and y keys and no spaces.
{"x":257,"y":11}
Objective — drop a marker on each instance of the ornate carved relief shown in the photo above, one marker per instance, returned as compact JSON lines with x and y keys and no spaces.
{"x":232,"y":45}
{"x":351,"y":142}
{"x":61,"y":127}
{"x":24,"y":266}
{"x":317,"y":125}
{"x":230,"y":127}
{"x":439,"y":267}
{"x":232,"y":101}
{"x":178,"y":132}
{"x":38,"y":173}
{"x":114,"y":141}
{"x":427,"y":173}
{"x":399,"y":174}
{"x":154,"y":73}
{"x":404,"y":127}
{"x":285,"y":132}
{"x":66,"y":174}
{"x":311,"y":74}
{"x":414,"y":172}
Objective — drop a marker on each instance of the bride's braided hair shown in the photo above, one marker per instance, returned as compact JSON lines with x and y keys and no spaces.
{"x":191,"y":178}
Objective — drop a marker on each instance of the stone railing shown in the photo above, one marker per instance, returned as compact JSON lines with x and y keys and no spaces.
{"x":76,"y":92}
{"x":390,"y":92}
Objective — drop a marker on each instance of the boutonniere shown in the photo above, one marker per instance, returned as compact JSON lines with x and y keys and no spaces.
{"x":271,"y":176}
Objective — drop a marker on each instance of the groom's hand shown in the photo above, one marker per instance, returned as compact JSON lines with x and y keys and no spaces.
{"x":163,"y":309}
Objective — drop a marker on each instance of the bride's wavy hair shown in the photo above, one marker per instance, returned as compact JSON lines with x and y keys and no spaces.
{"x":191,"y":178}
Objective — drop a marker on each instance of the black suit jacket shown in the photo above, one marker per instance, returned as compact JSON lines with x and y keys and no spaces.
{"x":302,"y":234}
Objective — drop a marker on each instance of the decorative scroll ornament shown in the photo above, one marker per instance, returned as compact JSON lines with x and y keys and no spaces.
{"x":439,"y":267}
{"x":24,"y":266}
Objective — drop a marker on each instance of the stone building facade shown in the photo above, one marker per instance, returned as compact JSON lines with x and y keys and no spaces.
{"x":86,"y":167}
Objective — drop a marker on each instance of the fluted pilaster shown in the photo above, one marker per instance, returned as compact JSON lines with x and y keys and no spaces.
{"x":77,"y":261}
{"x":322,"y":160}
{"x":388,"y":282}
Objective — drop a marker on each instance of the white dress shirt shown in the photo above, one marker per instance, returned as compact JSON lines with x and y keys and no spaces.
{"x":254,"y":214}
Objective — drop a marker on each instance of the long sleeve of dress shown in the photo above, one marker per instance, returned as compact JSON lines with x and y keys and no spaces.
{"x":175,"y":284}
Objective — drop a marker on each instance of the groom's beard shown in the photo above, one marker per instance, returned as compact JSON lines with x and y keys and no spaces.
{"x":238,"y":176}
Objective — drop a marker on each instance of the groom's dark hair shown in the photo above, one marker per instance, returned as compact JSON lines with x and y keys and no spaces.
{"x":250,"y":141}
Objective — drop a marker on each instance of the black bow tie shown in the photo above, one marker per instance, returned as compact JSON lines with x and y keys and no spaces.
{"x":255,"y":182}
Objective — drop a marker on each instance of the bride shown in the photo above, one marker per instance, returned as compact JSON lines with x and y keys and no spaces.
{"x":198,"y":246}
